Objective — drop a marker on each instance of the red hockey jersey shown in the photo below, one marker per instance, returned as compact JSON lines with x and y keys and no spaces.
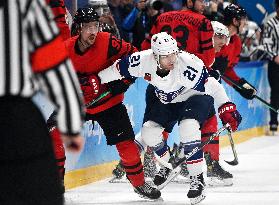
{"x":104,"y":52}
{"x":230,"y":53}
{"x":192,"y":31}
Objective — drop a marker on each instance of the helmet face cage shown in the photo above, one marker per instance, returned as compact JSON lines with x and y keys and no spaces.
{"x":233,"y":11}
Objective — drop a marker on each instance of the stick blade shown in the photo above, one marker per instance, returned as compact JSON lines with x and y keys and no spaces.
{"x":233,"y":163}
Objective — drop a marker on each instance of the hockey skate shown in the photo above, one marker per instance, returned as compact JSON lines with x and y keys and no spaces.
{"x":149,"y":165}
{"x":273,"y":130}
{"x":147,"y":192}
{"x":183,"y":176}
{"x":118,"y":174}
{"x":196,"y":193}
{"x":164,"y":176}
{"x":216,"y":175}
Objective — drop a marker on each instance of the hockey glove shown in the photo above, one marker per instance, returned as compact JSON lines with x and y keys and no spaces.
{"x":229,"y":114}
{"x":247,"y":90}
{"x":91,"y":87}
{"x":220,"y":64}
{"x":215,"y":74}
{"x":119,"y":86}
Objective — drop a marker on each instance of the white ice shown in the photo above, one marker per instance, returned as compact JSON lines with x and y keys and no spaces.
{"x":256,"y":182}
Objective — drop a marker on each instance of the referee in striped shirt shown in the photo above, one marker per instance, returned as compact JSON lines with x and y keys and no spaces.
{"x":32,"y":58}
{"x":270,"y":42}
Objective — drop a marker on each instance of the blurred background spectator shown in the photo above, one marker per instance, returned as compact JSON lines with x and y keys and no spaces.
{"x":250,"y":38}
{"x":119,"y":10}
{"x":140,"y":20}
{"x":106,"y":19}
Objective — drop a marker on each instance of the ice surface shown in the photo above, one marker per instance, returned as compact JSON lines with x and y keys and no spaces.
{"x":256,"y":182}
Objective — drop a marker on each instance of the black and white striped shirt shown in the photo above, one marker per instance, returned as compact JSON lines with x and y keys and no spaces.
{"x":270,"y":38}
{"x":33,"y":57}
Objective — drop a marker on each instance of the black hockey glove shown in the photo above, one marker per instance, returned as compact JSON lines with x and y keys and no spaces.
{"x":247,"y":90}
{"x":215,"y":74}
{"x":117,"y":87}
{"x":221,"y":64}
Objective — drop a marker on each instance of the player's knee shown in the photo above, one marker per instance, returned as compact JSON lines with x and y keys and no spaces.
{"x":152,"y":133}
{"x":140,"y":143}
{"x":189,"y":130}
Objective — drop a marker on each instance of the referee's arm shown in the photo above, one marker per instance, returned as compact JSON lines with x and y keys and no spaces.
{"x":54,"y":70}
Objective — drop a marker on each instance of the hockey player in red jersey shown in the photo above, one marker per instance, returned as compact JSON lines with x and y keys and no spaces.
{"x":92,"y":51}
{"x":235,"y":18}
{"x":217,"y":176}
{"x":191,"y":29}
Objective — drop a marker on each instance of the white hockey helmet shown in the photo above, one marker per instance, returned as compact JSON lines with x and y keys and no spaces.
{"x":221,"y":29}
{"x":163,"y":44}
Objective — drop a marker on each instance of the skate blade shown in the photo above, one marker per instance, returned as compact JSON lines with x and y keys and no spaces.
{"x":173,"y":174}
{"x":217,"y":182}
{"x":149,"y":199}
{"x":160,"y":199}
{"x":197,"y":199}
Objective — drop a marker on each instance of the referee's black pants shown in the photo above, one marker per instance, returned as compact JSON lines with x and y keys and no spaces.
{"x":28,"y":172}
{"x":273,"y":78}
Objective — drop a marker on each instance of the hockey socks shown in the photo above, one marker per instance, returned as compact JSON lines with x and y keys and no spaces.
{"x":131,"y":162}
{"x":209,"y":128}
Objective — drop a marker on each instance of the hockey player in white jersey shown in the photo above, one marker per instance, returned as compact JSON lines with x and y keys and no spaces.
{"x":217,"y":175}
{"x":184,"y":89}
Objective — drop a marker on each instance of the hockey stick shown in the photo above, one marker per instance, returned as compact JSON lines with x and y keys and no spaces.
{"x":235,"y":161}
{"x":174,"y":164}
{"x":97,"y":99}
{"x":257,"y":97}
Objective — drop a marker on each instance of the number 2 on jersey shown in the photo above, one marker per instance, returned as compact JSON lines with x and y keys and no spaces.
{"x":190,"y":73}
{"x":134,"y":61}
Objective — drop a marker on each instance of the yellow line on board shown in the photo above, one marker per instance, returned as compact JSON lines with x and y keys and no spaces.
{"x":242,"y":136}
{"x":88,"y":175}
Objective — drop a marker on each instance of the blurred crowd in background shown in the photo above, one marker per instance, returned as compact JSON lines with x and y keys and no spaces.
{"x":132,"y":20}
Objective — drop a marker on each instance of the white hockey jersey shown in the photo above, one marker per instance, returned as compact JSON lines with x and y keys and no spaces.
{"x":189,"y":77}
